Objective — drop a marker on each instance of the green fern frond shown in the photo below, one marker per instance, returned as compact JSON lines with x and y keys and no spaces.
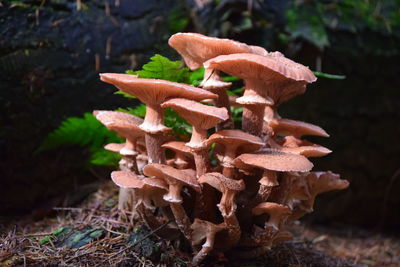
{"x":161,"y":67}
{"x":84,"y":132}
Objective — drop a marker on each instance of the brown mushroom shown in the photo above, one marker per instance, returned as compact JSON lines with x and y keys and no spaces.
{"x":204,"y":230}
{"x":153,"y":92}
{"x":285,"y":127}
{"x":175,"y":179}
{"x":196,"y":49}
{"x":183,"y":154}
{"x":232,"y":140}
{"x":321,"y":182}
{"x":202,"y":117}
{"x":277,"y":213}
{"x":229,"y":189}
{"x":271,"y":161}
{"x":127,"y":126}
{"x":267,"y":77}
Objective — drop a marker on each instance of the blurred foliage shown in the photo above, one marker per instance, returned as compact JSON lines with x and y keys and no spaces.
{"x":312,"y":20}
{"x":86,"y":132}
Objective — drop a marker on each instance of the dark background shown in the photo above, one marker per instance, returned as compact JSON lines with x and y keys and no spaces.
{"x":48,"y":54}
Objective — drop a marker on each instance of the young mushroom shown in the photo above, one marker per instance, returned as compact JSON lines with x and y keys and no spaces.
{"x":269,"y":81}
{"x":144,"y":193}
{"x":183,"y":155}
{"x":204,"y":230}
{"x":232,"y":140}
{"x":318,"y":182}
{"x":175,"y":179}
{"x":127,"y":126}
{"x":271,"y":161}
{"x":229,"y":189}
{"x":202,"y":118}
{"x":153,"y":92}
{"x":196,"y":48}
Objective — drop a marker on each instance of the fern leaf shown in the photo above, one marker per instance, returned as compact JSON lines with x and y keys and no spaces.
{"x":161,"y":67}
{"x":83,"y":132}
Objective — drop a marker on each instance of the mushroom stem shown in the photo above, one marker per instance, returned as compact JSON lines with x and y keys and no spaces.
{"x":182,"y":220}
{"x":201,"y":161}
{"x":228,"y":167}
{"x":125,"y":196}
{"x":214,"y":84}
{"x":154,"y":151}
{"x":234,"y":231}
{"x":154,"y":125}
{"x":253,"y":114}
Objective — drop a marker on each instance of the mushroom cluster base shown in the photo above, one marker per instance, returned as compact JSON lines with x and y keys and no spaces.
{"x":225,"y":190}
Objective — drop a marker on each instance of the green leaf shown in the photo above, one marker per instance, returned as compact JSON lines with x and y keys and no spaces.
{"x":139,"y":110}
{"x":162,"y":68}
{"x":196,"y":76}
{"x":329,"y":76}
{"x":119,"y":92}
{"x":104,"y":157}
{"x":85,"y":132}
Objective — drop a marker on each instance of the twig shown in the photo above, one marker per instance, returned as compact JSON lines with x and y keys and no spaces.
{"x":137,"y":242}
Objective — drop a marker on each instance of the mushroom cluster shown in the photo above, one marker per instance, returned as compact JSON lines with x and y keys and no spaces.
{"x":260,"y":177}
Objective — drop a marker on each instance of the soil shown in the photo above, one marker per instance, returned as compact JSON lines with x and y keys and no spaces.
{"x":95,"y":233}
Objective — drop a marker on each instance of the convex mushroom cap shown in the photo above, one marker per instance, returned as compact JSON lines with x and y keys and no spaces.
{"x":285,"y":127}
{"x":153,"y":92}
{"x":202,"y":117}
{"x":271,"y":76}
{"x":196,"y":48}
{"x":125,"y":125}
{"x":273,"y":160}
{"x":175,"y":178}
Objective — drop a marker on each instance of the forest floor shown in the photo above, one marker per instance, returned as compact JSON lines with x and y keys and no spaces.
{"x":96,"y":234}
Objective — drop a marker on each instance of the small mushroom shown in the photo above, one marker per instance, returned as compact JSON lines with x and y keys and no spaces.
{"x":319,"y":182}
{"x":153,"y":92}
{"x":127,"y":126}
{"x":204,"y":230}
{"x":277,"y":213}
{"x":232,"y":140}
{"x":202,"y":117}
{"x":229,"y":189}
{"x":287,"y":127}
{"x":175,"y":179}
{"x":183,"y":154}
{"x":271,"y":161}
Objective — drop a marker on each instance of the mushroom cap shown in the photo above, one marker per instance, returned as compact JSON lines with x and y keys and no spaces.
{"x":154,"y":91}
{"x":177,"y":146}
{"x":204,"y":229}
{"x":274,"y":160}
{"x":276,"y":211}
{"x":222,"y":183}
{"x":114,"y":147}
{"x":320,"y":182}
{"x":199,"y":115}
{"x":308,"y":151}
{"x":236,"y":138}
{"x":126,"y":179}
{"x":196,"y":48}
{"x":155,"y":182}
{"x":254,"y":100}
{"x":277,"y":76}
{"x":171,"y":174}
{"x":286,"y":127}
{"x":124,"y":124}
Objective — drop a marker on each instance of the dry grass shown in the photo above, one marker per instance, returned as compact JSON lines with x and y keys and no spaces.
{"x":20,"y":245}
